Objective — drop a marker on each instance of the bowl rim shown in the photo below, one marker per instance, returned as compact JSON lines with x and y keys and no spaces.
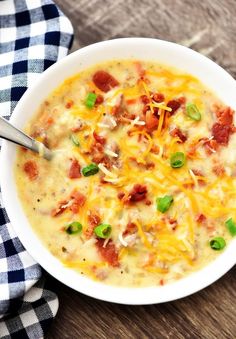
{"x":123,"y":295}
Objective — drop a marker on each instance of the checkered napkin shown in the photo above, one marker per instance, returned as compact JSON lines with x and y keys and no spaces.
{"x":33,"y":35}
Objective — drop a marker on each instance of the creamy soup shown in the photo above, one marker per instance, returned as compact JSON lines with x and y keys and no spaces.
{"x":141,"y":187}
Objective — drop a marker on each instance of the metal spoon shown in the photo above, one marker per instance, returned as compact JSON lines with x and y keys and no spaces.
{"x":13,"y":134}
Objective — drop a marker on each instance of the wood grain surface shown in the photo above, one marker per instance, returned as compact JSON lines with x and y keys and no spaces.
{"x":209,"y":27}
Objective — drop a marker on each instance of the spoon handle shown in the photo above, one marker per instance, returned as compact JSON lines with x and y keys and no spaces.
{"x":13,"y":134}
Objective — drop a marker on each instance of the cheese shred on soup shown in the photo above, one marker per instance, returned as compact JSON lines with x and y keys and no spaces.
{"x":141,"y":187}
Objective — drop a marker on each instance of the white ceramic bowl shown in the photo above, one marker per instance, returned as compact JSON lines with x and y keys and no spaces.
{"x":189,"y":61}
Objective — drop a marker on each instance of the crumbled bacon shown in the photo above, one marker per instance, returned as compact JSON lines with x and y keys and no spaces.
{"x":225,"y":116}
{"x":158,"y":97}
{"x":31,"y":169}
{"x":62,"y":206}
{"x":120,"y":195}
{"x":175,"y":104}
{"x":151,"y":121}
{"x":74,"y":171}
{"x":104,"y":81}
{"x":210,"y":145}
{"x":138,"y":193}
{"x":176,"y":132}
{"x":131,"y":228}
{"x":140,"y":70}
{"x":144,"y":99}
{"x":108,"y":253}
{"x":200,"y":218}
{"x":99,"y":99}
{"x":93,"y":220}
{"x":218,"y":169}
{"x":222,"y":129}
{"x":100,"y":139}
{"x":73,"y":203}
{"x":69,"y":104}
{"x":221,"y":133}
{"x":78,"y":200}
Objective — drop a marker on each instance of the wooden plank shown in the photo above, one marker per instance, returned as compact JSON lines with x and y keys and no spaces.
{"x":206,"y":26}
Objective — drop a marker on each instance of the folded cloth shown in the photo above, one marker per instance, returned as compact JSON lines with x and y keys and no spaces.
{"x":33,"y":35}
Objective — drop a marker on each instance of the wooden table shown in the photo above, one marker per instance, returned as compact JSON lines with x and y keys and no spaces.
{"x":209,"y":27}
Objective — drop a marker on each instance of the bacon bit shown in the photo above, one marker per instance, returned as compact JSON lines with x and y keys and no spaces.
{"x":221,"y":133}
{"x":120,"y":195}
{"x":200,"y":218}
{"x":31,"y":169}
{"x":211,"y":146}
{"x":99,"y":99}
{"x":138,"y":193}
{"x":140,"y":70}
{"x":93,"y":220}
{"x":108,"y":253}
{"x":62,"y":206}
{"x":131,"y":228}
{"x":144,"y":99}
{"x":78,"y":201}
{"x":175,"y":104}
{"x":176,"y":132}
{"x":225,"y":116}
{"x":148,"y":202}
{"x":74,"y":202}
{"x":50,"y":121}
{"x":151,"y":121}
{"x":97,"y":152}
{"x":101,"y":140}
{"x":69,"y":104}
{"x":131,"y":101}
{"x":158,"y":97}
{"x":74,"y":171}
{"x":145,"y":109}
{"x":173,"y":222}
{"x":155,"y":149}
{"x":104,"y":81}
{"x":219,"y":170}
{"x":162,"y":283}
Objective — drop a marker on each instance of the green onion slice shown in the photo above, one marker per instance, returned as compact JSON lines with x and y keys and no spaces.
{"x":90,"y":170}
{"x":193,"y":112}
{"x":177,"y":159}
{"x":217,"y":243}
{"x":90,"y":100}
{"x":73,"y":228}
{"x":75,"y":140}
{"x":164,"y":203}
{"x":103,"y":231}
{"x":231,"y":226}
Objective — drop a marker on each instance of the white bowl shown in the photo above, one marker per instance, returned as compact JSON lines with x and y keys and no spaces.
{"x":189,"y":61}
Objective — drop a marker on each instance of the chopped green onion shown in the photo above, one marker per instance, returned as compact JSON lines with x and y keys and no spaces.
{"x":231,"y":226}
{"x":217,"y":243}
{"x":90,"y":100}
{"x":164,"y":203}
{"x":75,"y":140}
{"x":74,"y":228}
{"x":177,"y":159}
{"x":90,"y":170}
{"x":193,"y":112}
{"x":103,"y":231}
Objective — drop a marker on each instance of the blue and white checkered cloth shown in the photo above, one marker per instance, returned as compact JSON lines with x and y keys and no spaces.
{"x":33,"y":35}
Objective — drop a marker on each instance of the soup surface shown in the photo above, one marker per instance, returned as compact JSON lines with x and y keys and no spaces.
{"x":141,"y":187}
